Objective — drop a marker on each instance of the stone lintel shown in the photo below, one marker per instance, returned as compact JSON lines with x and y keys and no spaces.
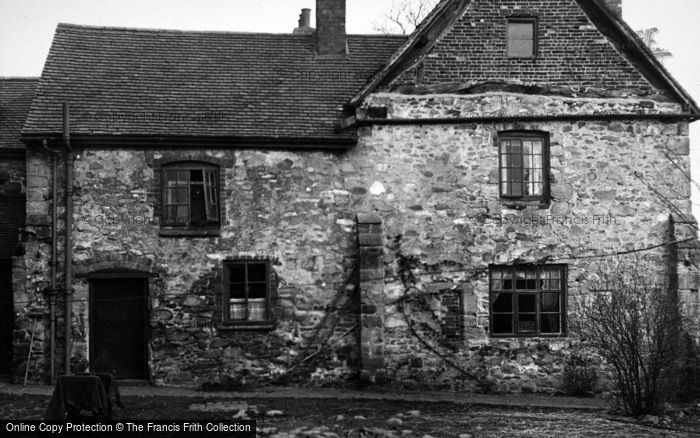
{"x":368,"y":218}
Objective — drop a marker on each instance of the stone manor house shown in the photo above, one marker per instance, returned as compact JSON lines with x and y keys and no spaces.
{"x":220,"y":209}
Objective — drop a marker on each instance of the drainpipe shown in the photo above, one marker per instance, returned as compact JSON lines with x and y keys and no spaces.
{"x":52,"y":292}
{"x":68,"y":287}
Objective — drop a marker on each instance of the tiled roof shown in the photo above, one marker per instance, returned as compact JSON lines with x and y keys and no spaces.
{"x":198,"y":84}
{"x":15,"y":97}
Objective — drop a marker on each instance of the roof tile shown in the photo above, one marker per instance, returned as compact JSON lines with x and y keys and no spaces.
{"x":122,"y":81}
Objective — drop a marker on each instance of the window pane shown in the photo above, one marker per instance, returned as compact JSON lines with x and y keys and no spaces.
{"x":516,"y":160}
{"x":176,"y":196}
{"x":236,"y":273}
{"x":521,"y":31}
{"x":516,"y":189}
{"x":537,"y":147}
{"x":256,"y":310}
{"x":183,"y":215}
{"x":170,"y":215}
{"x":171,"y":178}
{"x":508,"y":280}
{"x":183,"y":177}
{"x":196,"y":176}
{"x":237,"y":310}
{"x":520,"y":280}
{"x":514,"y":147}
{"x":176,"y":215}
{"x":531,"y":280}
{"x":553,"y":284}
{"x":199,"y":213}
{"x":527,"y":303}
{"x":550,"y":303}
{"x":257,"y":272}
{"x":503,"y":324}
{"x":527,"y":324}
{"x":549,"y":323}
{"x":521,"y":48}
{"x":257,"y":290}
{"x":502,"y":303}
{"x":237,"y":290}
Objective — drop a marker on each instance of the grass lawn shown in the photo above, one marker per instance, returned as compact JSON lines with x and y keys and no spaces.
{"x":355,"y":418}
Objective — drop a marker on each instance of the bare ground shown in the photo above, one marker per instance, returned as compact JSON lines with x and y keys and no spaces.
{"x":355,"y":418}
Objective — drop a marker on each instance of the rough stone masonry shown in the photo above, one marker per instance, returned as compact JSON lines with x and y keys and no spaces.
{"x":434,"y":193}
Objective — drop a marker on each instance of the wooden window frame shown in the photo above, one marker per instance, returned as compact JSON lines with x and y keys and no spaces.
{"x":563,"y":270}
{"x":167,"y":229}
{"x":535,"y":40}
{"x":266,"y":322}
{"x":522,"y":136}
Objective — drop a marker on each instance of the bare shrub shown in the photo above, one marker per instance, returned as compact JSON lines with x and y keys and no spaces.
{"x":580,"y":375}
{"x":634,"y":323}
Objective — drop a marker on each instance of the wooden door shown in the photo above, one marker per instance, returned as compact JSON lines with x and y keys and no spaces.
{"x":118,"y":327}
{"x":6,"y":316}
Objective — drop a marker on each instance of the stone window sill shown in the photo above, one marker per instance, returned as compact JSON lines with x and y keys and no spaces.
{"x":247,"y":326}
{"x":530,"y":337}
{"x":190,"y":232}
{"x":520,"y":204}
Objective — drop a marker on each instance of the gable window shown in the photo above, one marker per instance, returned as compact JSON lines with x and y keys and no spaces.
{"x":523,"y":166}
{"x":246,"y":294}
{"x":527,"y":300}
{"x":521,"y":37}
{"x":190,"y":196}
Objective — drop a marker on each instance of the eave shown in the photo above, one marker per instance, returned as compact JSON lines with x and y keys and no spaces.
{"x":219,"y":142}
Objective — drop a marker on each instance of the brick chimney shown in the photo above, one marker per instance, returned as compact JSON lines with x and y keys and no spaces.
{"x":614,"y":6}
{"x":304,"y":23}
{"x":331,"y":39}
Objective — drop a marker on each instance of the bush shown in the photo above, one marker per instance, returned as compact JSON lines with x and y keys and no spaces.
{"x":635,"y":325}
{"x":580,"y":376}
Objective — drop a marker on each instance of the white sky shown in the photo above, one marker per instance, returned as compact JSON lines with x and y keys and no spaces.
{"x":27,"y":27}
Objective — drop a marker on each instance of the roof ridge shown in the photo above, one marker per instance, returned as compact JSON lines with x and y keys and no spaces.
{"x":213,"y":32}
{"x":20,"y":78}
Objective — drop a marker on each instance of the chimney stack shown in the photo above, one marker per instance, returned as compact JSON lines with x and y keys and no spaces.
{"x":304,"y":23}
{"x":614,"y":6}
{"x":331,"y":39}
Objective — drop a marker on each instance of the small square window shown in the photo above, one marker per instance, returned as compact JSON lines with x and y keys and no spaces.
{"x":521,"y":38}
{"x":246,"y":294}
{"x":529,"y":303}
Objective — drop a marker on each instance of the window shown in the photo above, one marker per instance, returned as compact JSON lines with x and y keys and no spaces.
{"x":247,"y":292}
{"x":521,"y":37}
{"x":190,"y":195}
{"x":527,"y":300}
{"x":524,"y":166}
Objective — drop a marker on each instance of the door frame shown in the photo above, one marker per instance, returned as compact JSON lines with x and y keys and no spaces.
{"x":113,"y":275}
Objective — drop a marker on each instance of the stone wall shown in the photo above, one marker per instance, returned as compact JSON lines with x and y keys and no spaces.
{"x":435,"y":189}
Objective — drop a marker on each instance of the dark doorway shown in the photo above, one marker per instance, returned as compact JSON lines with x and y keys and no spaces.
{"x":118,"y":326}
{"x":6,"y":316}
